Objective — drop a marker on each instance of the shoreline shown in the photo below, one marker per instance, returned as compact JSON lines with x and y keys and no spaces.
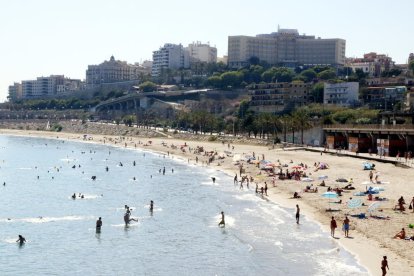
{"x":368,"y":250}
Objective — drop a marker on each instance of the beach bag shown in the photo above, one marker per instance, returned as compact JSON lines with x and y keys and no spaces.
{"x":410,"y":207}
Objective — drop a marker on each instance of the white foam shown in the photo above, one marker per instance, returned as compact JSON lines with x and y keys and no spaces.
{"x":279,"y":244}
{"x":10,"y":240}
{"x":247,"y":197}
{"x":53,"y":219}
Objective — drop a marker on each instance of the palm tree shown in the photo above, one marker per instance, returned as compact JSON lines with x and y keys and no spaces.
{"x":301,"y":118}
{"x":285,"y":120}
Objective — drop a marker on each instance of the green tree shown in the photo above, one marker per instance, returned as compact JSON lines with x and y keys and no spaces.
{"x":301,"y":117}
{"x":215,"y":81}
{"x":317,"y":92}
{"x":231,"y":79}
{"x":327,"y":74}
{"x":309,"y":75}
{"x":148,"y":86}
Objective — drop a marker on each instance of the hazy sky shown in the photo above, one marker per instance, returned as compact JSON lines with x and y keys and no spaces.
{"x":44,"y":37}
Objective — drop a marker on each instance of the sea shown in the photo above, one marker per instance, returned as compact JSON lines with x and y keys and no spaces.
{"x":38,"y":177}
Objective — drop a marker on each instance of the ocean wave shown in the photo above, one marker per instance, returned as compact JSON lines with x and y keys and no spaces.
{"x":48,"y":219}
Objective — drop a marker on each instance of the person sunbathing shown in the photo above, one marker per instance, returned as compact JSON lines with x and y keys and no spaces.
{"x":349,"y":187}
{"x":400,"y":235}
{"x":322,"y":183}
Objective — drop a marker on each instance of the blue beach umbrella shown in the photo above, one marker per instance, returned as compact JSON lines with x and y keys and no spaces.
{"x":330,"y":195}
{"x":354,"y":203}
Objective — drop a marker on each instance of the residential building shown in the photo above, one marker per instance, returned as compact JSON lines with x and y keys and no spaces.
{"x":286,"y":47}
{"x":199,"y":52}
{"x":372,"y":64}
{"x":113,"y":71}
{"x":44,"y":87}
{"x":342,"y":94}
{"x":15,"y":91}
{"x":384,"y":97}
{"x":279,"y":97}
{"x":170,"y":56}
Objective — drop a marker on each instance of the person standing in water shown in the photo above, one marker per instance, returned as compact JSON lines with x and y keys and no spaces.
{"x":151,"y":209}
{"x":222,"y":223}
{"x":99,"y":224}
{"x":297,"y":213}
{"x":128,"y":219}
{"x":21,"y":240}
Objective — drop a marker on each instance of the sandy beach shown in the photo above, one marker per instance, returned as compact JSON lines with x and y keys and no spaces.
{"x":370,"y":239}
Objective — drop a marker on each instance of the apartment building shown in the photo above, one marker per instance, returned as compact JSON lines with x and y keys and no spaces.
{"x":43,"y":87}
{"x":279,"y":97}
{"x":199,"y":52}
{"x":384,"y":97}
{"x":171,"y":56}
{"x":112,"y":71}
{"x":372,"y":64}
{"x":286,"y":47}
{"x":342,"y":94}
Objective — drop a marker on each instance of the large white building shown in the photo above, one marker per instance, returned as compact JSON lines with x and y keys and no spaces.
{"x":112,"y":71}
{"x":342,"y":94}
{"x":170,"y":56}
{"x":199,"y":52}
{"x":287,"y":48}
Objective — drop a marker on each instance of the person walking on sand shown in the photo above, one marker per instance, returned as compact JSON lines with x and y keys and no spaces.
{"x":412,"y":204}
{"x":222,"y":223}
{"x":371,"y":175}
{"x":297,"y":213}
{"x":346,"y":226}
{"x":265,"y":188}
{"x":384,"y":266}
{"x":333,"y":227}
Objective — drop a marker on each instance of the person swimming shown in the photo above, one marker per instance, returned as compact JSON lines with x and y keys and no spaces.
{"x":74,"y":196}
{"x":222,"y":222}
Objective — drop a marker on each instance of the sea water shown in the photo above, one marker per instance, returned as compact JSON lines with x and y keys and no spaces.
{"x":180,"y":237}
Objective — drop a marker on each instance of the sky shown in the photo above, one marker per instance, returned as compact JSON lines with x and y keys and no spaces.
{"x":62,"y":37}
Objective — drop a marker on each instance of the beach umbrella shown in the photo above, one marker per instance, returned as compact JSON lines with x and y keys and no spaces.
{"x":354,"y":203}
{"x":374,"y":206}
{"x":322,"y":177}
{"x":330,"y":195}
